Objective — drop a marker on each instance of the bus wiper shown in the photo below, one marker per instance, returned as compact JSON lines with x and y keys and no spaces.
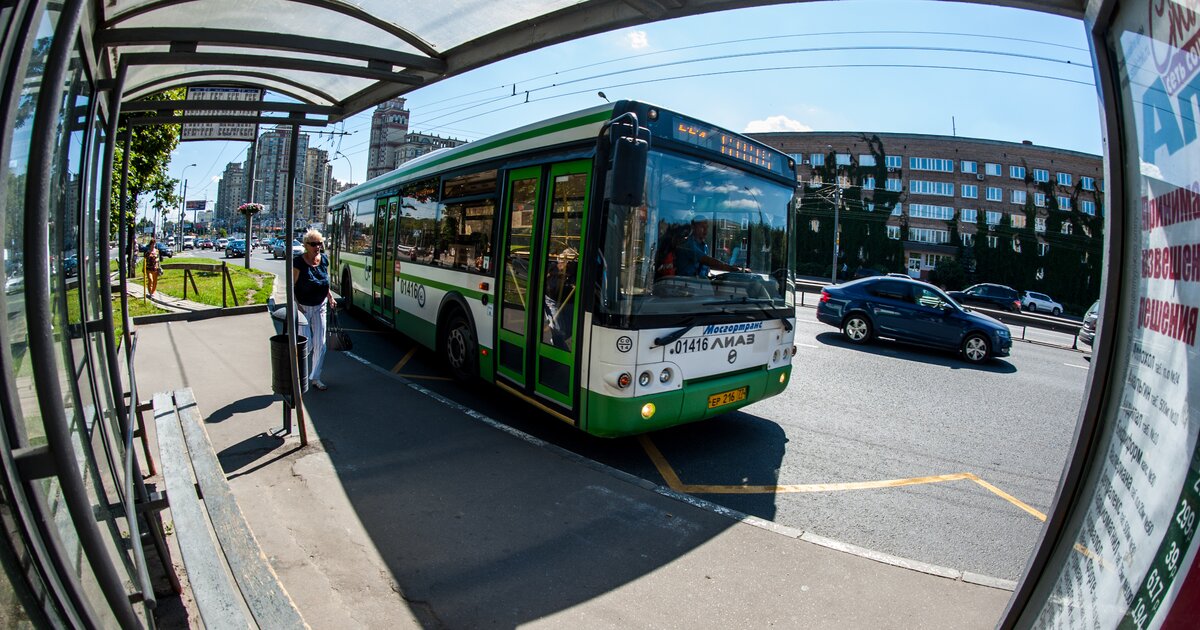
{"x":759,"y":302}
{"x":673,"y":336}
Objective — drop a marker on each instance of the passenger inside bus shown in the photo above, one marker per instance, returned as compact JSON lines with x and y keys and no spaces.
{"x":559,"y":299}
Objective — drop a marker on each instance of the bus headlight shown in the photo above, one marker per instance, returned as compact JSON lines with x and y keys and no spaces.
{"x":647,"y":411}
{"x":782,"y":377}
{"x":664,"y":375}
{"x":644,"y":378}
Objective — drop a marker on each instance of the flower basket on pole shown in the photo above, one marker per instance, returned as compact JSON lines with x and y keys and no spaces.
{"x":249,"y":209}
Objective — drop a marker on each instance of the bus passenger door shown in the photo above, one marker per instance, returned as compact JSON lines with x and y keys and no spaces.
{"x":383,"y":272}
{"x":539,"y":310}
{"x":558,"y":318}
{"x":520,"y":211}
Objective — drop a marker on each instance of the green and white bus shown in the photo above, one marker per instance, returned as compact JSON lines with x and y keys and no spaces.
{"x":623,"y":268}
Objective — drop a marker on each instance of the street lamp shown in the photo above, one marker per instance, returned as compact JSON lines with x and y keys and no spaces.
{"x":837,"y":206}
{"x":182,"y":200}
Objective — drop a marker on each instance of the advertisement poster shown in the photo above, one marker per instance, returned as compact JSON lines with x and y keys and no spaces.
{"x":1137,"y":545}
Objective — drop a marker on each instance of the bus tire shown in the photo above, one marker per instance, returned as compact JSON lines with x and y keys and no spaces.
{"x":459,"y":347}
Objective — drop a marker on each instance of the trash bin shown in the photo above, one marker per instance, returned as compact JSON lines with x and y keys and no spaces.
{"x":281,"y":377}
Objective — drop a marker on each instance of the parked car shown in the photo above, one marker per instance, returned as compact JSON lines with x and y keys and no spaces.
{"x":235,"y":248}
{"x":278,"y":251}
{"x":911,"y":311}
{"x":1034,"y":302}
{"x":995,"y":296}
{"x":1087,"y":332}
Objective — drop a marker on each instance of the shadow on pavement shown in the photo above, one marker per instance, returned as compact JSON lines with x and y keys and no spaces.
{"x":910,"y":352}
{"x":489,"y":530}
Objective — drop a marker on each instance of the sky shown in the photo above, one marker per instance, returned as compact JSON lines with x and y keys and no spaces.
{"x":913,"y":66}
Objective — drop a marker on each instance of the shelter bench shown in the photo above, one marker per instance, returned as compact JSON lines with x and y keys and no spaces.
{"x":233,"y":584}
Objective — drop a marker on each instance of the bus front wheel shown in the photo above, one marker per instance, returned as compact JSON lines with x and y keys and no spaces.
{"x":460,"y":347}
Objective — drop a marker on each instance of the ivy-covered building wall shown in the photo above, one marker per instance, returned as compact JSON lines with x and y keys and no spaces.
{"x":949,"y":210}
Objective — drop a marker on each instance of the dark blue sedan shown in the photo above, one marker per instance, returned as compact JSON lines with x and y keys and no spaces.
{"x":912,"y":312}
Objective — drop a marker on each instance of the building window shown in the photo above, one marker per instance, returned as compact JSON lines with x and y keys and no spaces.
{"x":1067,"y":227}
{"x":1039,"y":224}
{"x":1064,"y":179}
{"x":922,"y":187}
{"x":970,"y":215}
{"x":994,"y":193}
{"x":815,"y":225}
{"x":1016,"y":245}
{"x":1016,"y":172}
{"x":931,"y":164}
{"x":893,"y":161}
{"x":991,"y":169}
{"x":968,"y":240}
{"x":1041,"y":175}
{"x":868,"y":183}
{"x":898,"y":210}
{"x":968,"y":166}
{"x":993,"y":241}
{"x":992,"y":217}
{"x":926,"y":211}
{"x":894,"y":232}
{"x":866,"y":160}
{"x":893,"y":184}
{"x":1088,"y":183}
{"x":1088,"y":207}
{"x":869,"y":206}
{"x":1064,"y":203}
{"x":927,"y":235}
{"x":970,"y":191}
{"x":817,"y":159}
{"x":842,"y":159}
{"x":1018,"y":197}
{"x":1017,"y":220}
{"x":1039,"y":199}
{"x":1043,"y":248}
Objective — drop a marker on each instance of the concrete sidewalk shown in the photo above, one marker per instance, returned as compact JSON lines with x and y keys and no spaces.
{"x":406,"y":510}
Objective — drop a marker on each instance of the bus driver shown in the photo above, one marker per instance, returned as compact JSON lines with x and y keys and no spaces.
{"x":692,"y":257}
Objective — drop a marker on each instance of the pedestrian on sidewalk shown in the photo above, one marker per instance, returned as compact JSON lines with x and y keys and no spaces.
{"x":310,"y":277}
{"x":153,"y":266}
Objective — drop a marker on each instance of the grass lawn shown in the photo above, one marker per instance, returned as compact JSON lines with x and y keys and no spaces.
{"x":252,"y":286}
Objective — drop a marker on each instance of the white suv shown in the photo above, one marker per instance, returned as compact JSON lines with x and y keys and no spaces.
{"x":1034,"y":302}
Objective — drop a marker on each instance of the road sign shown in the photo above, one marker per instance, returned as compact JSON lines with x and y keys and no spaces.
{"x":223,"y":130}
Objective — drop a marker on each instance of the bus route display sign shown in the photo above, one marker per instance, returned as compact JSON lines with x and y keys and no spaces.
{"x":223,"y":130}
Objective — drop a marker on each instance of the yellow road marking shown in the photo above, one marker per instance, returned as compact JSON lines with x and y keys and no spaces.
{"x":400,"y":366}
{"x":675,"y":483}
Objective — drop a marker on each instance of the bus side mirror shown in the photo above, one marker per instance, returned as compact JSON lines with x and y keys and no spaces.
{"x":627,"y":178}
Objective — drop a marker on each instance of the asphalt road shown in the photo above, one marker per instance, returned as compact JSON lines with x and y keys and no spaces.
{"x":896,"y":449}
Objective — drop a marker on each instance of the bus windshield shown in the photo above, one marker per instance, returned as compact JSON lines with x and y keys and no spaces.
{"x":709,"y":238}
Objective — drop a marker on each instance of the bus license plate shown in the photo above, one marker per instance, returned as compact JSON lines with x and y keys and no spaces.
{"x":725,"y":398}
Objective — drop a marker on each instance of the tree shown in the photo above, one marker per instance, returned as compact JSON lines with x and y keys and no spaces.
{"x":150,"y":150}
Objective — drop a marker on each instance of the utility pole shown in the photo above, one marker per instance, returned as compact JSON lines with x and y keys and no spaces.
{"x":837,"y":206}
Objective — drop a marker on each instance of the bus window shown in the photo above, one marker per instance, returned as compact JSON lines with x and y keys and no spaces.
{"x":466,"y":238}
{"x":523,"y":202}
{"x":363,"y":229}
{"x":418,"y":222}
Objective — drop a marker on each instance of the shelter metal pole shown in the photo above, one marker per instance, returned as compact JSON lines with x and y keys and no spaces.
{"x":110,"y":341}
{"x":290,"y":196}
{"x":126,"y":242}
{"x":42,"y":345}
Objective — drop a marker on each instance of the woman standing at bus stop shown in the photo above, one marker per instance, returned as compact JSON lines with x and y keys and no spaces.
{"x":310,"y":277}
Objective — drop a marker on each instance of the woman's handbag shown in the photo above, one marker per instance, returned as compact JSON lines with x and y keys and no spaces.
{"x":339,"y":340}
